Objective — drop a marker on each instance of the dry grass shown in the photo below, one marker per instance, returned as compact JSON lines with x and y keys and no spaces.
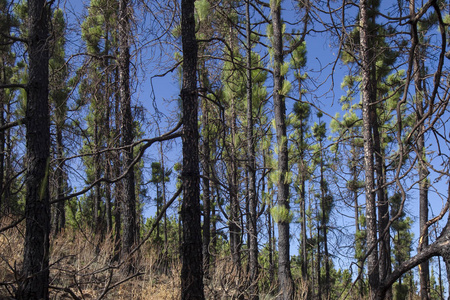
{"x":82,"y":266}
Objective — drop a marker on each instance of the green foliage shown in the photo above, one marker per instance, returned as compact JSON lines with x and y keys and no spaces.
{"x":281,"y":214}
{"x":202,"y":8}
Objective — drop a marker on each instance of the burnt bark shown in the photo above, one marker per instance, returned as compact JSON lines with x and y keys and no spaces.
{"x":251,"y":169}
{"x":284,"y":268}
{"x":129,"y":198}
{"x":35,"y":270}
{"x":191,"y":249}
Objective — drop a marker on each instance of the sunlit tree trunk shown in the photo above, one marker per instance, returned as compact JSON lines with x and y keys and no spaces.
{"x":366,"y":89}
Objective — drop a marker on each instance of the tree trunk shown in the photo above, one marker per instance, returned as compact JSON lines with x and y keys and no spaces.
{"x":424,"y":269}
{"x":129,"y":201}
{"x":191,"y":249}
{"x":371,"y":218}
{"x":35,"y":271}
{"x":206,"y":186}
{"x":284,"y":267}
{"x":235,"y":232}
{"x":251,"y":168}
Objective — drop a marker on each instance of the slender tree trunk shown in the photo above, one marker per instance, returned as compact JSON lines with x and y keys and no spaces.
{"x":319,"y":257}
{"x":191,"y":252}
{"x":60,"y":213}
{"x":129,"y":202}
{"x":35,"y":270}
{"x":284,"y":267}
{"x":324,"y":226}
{"x":97,"y":171}
{"x":358,"y":238}
{"x":251,"y":168}
{"x":116,"y":170}
{"x":206,"y":187}
{"x":424,"y":268}
{"x":383,"y":204}
{"x":371,"y":218}
{"x":235,"y":232}
{"x":3,"y":100}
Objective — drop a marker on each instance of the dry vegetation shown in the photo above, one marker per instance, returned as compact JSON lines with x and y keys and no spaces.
{"x":82,"y":267}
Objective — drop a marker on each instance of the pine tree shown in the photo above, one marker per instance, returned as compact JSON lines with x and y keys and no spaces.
{"x":58,"y":96}
{"x":191,"y":250}
{"x":35,"y":269}
{"x":279,"y":92}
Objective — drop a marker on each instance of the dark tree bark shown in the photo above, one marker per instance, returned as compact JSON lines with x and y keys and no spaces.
{"x":35,"y":272}
{"x":3,"y":100}
{"x":129,"y":200}
{"x":191,"y":249}
{"x":371,"y":218}
{"x":284,"y":267}
{"x":206,"y":186}
{"x":116,"y":170}
{"x":251,"y":169}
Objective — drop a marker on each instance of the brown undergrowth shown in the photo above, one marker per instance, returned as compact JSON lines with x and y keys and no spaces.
{"x":83,"y":267}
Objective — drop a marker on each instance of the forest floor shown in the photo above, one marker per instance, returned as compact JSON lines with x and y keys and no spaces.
{"x":82,"y":267}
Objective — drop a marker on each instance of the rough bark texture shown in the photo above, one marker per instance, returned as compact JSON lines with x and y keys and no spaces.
{"x":284,"y":268}
{"x":129,"y":200}
{"x":191,"y":249}
{"x":35,"y":272}
{"x":371,"y":218}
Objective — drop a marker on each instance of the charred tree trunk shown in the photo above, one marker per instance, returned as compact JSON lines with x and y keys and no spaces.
{"x":129,"y":201}
{"x":251,"y":168}
{"x":191,"y":249}
{"x":35,"y":271}
{"x":284,"y":267}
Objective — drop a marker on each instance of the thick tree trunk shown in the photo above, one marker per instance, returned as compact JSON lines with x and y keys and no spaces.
{"x":191,"y":249}
{"x":35,"y":271}
{"x":129,"y":200}
{"x":284,"y":267}
{"x":371,"y":217}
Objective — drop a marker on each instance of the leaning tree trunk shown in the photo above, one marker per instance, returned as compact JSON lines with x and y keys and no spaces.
{"x":284,"y":267}
{"x":35,"y":269}
{"x":191,"y":249}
